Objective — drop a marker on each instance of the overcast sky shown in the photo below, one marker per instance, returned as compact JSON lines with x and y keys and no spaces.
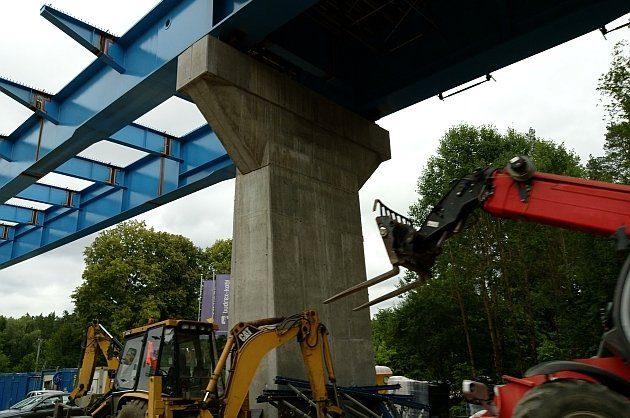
{"x":553,"y":92}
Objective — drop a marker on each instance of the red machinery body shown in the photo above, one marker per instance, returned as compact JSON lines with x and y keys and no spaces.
{"x":507,"y":396}
{"x":567,"y":202}
{"x":585,"y":205}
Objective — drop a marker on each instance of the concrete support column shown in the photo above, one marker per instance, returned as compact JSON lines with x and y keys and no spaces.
{"x":301,"y":161}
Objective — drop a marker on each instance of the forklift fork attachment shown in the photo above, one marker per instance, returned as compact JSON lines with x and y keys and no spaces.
{"x":380,"y":278}
{"x":399,"y":291}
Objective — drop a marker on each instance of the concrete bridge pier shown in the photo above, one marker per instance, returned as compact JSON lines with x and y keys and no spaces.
{"x":301,"y":161}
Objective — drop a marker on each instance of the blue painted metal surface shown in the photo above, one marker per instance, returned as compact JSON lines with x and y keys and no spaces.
{"x":19,"y":215}
{"x":38,"y":101}
{"x":100,"y":101}
{"x":90,"y":170}
{"x":68,"y":376}
{"x":15,"y":386}
{"x":373,"y":58}
{"x":198,"y":160}
{"x":97,"y":41}
{"x":63,"y":379}
{"x":50,"y":195}
{"x":146,"y":139}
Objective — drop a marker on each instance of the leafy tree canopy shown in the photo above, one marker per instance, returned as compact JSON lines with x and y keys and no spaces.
{"x":134,"y":273}
{"x":58,"y":340}
{"x":218,"y":257}
{"x":615,"y":89}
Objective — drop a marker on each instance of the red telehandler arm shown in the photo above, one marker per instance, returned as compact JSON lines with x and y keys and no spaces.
{"x":596,"y":387}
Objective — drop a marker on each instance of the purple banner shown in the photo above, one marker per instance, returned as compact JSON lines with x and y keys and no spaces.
{"x":215,"y":301}
{"x":221,"y":302}
{"x":207,"y":300}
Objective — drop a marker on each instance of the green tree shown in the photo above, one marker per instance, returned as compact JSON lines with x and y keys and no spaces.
{"x":5,"y":363}
{"x":615,"y":89}
{"x":58,"y":340}
{"x":19,"y":342}
{"x":62,"y":346}
{"x":134,"y":273}
{"x":218,"y":257}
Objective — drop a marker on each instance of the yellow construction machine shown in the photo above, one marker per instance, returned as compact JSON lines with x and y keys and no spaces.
{"x":97,"y":338}
{"x":170,"y":369}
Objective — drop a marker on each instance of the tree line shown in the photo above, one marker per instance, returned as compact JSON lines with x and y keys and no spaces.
{"x":132,"y":274}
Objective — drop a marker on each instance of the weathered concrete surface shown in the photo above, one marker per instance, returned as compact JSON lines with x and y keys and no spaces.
{"x":297,"y":228}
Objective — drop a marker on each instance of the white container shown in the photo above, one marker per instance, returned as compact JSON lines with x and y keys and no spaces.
{"x":419,"y":391}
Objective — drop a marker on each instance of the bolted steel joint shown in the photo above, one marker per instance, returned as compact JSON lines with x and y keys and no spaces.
{"x":521,"y":168}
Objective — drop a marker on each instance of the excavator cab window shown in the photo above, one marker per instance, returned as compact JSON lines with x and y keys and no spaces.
{"x":149,"y":365}
{"x":185,"y":359}
{"x":195,"y":362}
{"x":183,"y":355}
{"x":128,"y":369}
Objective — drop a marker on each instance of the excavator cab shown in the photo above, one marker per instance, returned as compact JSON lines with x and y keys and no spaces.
{"x":181,"y":352}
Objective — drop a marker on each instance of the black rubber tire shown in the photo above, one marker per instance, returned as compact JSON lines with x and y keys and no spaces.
{"x":133,"y":409}
{"x":572,"y":399}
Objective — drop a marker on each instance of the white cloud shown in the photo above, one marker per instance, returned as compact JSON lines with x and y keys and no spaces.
{"x":43,"y":284}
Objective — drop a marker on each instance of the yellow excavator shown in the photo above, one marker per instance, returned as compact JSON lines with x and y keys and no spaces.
{"x":97,"y":339}
{"x":170,"y":369}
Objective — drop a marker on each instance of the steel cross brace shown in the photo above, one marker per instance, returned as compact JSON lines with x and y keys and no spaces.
{"x":200,"y":162}
{"x":50,"y":195}
{"x":133,"y":136}
{"x":19,"y":214}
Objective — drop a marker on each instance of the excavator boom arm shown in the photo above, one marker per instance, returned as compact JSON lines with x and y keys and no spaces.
{"x":96,"y":338}
{"x":250,"y":342}
{"x":590,"y":206}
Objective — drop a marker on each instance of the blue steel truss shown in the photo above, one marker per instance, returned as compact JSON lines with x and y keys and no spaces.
{"x":372,"y":57}
{"x":194,"y":161}
{"x":131,"y":75}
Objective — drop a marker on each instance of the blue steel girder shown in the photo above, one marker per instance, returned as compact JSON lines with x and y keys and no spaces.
{"x":131,"y":75}
{"x":38,"y":101}
{"x":97,"y":41}
{"x":49,"y":195}
{"x":94,"y":171}
{"x":20,"y":215}
{"x":147,"y":140}
{"x":147,"y":183}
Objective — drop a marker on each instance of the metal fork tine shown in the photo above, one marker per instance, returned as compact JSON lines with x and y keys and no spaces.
{"x":390,"y":295}
{"x":394,"y":271}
